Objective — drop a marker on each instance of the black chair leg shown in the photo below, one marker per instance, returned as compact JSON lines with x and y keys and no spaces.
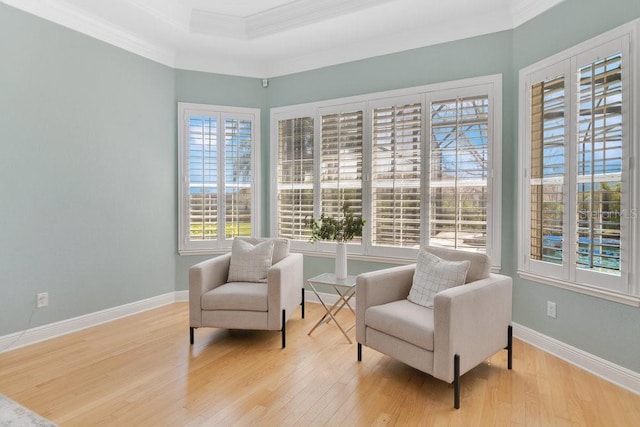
{"x":284,"y":342}
{"x":302,"y":303}
{"x":191,"y":335}
{"x":359,"y":352}
{"x":509,"y":347}
{"x":456,"y":381}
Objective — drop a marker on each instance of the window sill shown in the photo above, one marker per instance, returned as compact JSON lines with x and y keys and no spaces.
{"x":359,"y":257}
{"x":631,"y":300}
{"x":195,"y":252}
{"x":323,"y":254}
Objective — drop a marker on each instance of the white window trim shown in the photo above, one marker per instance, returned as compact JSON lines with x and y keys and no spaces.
{"x":286,"y":114}
{"x":492,"y":85}
{"x":186,"y":247}
{"x":524,"y":269}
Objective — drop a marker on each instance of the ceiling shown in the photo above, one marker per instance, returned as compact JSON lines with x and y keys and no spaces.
{"x":267,"y":38}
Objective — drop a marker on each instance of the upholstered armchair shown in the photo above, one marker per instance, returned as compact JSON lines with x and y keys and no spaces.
{"x":257,"y":286}
{"x":466,"y":325}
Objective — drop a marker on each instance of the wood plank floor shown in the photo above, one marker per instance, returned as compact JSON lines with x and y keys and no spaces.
{"x":141,"y":371}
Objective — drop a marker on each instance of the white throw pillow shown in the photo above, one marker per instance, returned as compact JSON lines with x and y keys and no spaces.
{"x":250,"y":263}
{"x":434,"y":274}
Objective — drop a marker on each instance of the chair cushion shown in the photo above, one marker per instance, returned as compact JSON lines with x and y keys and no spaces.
{"x":247,"y":296}
{"x":403,"y":319}
{"x":480,"y":267}
{"x":280,"y":246}
{"x":432,"y":275}
{"x":250,"y":263}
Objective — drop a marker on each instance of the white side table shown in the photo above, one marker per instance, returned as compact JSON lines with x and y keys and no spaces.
{"x":345,"y":289}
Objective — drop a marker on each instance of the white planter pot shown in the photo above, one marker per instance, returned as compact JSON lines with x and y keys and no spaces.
{"x":341,"y":261}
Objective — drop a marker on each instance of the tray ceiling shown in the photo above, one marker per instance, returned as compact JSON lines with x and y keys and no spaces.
{"x":266,"y":38}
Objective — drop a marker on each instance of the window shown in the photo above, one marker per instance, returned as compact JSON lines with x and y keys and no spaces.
{"x":341,"y":162}
{"x":459,"y":169}
{"x":295,"y":177}
{"x":218,"y":150}
{"x":396,"y":172}
{"x":575,"y":167}
{"x":372,"y":153}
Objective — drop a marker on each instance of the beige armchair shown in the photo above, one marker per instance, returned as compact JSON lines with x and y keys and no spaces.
{"x":215,"y":302}
{"x":467,"y":324}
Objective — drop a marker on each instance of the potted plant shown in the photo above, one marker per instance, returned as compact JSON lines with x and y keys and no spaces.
{"x":339,"y":229}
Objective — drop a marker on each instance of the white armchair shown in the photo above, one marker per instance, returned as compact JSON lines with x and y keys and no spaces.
{"x":216,"y":302}
{"x":466,"y":325}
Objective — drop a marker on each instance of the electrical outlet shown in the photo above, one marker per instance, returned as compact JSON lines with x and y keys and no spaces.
{"x":42,"y":299}
{"x":551,"y":309}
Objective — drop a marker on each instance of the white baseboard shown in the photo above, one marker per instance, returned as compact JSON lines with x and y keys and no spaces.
{"x":623,"y":377}
{"x":53,"y":330}
{"x":182,"y":296}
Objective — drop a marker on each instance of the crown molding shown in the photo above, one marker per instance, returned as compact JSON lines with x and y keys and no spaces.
{"x":414,"y":38}
{"x":524,"y":10}
{"x":63,"y":13}
{"x":175,"y":14}
{"x":205,"y":41}
{"x":275,"y":20}
{"x":302,"y":12}
{"x":218,"y":24}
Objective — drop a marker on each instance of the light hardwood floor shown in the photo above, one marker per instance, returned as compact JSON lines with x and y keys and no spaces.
{"x":141,"y":371}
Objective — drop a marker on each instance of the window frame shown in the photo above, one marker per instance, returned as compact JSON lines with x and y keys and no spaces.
{"x":567,"y":63}
{"x":381,"y":250}
{"x":277,"y":196}
{"x":489,"y":85}
{"x":185,"y":111}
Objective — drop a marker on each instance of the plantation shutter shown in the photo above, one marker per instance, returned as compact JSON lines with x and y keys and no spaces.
{"x":238,"y":139}
{"x":547,"y":153}
{"x":341,"y":163}
{"x":396,"y":172}
{"x":203,"y":178}
{"x":599,"y":165}
{"x":459,"y":168}
{"x":295,"y":177}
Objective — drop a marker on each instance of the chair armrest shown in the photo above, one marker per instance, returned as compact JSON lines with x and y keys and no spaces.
{"x":285,"y":282}
{"x":203,"y":277}
{"x":472,"y":321}
{"x":380,"y":287}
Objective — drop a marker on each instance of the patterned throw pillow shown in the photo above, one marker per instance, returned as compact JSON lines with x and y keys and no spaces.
{"x":250,"y":263}
{"x":433,"y":275}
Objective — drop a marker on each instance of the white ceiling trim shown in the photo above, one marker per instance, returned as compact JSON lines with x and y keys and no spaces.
{"x":303,"y":12}
{"x":443,"y":32}
{"x":275,"y":20}
{"x":69,"y":16}
{"x":411,"y":39}
{"x":524,"y":10}
{"x":173,"y":14}
{"x":217,"y":24}
{"x":184,"y":21}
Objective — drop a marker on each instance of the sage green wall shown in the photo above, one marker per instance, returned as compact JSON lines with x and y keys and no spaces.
{"x":600,"y":327}
{"x":478,"y":56}
{"x":89,"y":160}
{"x":463,"y":59}
{"x":490,"y":54}
{"x":603,"y":328}
{"x":87,"y":174}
